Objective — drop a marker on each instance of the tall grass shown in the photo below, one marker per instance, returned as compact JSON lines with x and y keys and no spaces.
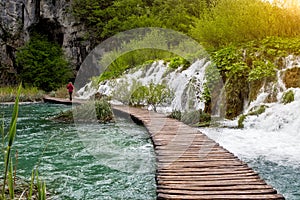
{"x":11,"y":136}
{"x":8,"y":177}
{"x":9,"y":94}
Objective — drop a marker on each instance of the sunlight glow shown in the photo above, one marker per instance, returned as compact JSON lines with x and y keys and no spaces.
{"x":286,"y":3}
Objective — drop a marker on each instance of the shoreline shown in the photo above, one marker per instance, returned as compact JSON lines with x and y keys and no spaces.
{"x":21,"y":103}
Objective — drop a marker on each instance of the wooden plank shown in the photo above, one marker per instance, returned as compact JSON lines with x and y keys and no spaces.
{"x":221,"y":197}
{"x":212,"y":188}
{"x":225,"y":192}
{"x":192,"y":166}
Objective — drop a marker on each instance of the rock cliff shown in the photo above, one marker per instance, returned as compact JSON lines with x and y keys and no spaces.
{"x":20,"y":18}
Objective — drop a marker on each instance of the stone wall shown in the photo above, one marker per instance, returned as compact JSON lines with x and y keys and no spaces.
{"x":19,"y":18}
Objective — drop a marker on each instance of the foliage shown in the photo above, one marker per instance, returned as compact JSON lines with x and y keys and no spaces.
{"x":123,"y":90}
{"x":99,"y":110}
{"x":175,"y":114}
{"x":194,"y":117}
{"x":8,"y":94}
{"x":43,"y":64}
{"x":288,"y":97}
{"x":246,"y":67}
{"x":103,"y":111}
{"x":106,"y":18}
{"x":241,"y":121}
{"x":60,"y":92}
{"x":10,"y":138}
{"x":129,"y":60}
{"x":150,"y":95}
{"x":211,"y":88}
{"x":176,"y":62}
{"x":257,"y":110}
{"x":238,"y":21}
{"x":261,"y":70}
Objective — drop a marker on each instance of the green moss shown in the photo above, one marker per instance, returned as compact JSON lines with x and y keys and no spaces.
{"x":241,"y":121}
{"x":288,"y":97}
{"x":257,"y":110}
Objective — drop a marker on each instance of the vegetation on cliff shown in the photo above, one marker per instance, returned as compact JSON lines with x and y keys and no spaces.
{"x":245,"y":68}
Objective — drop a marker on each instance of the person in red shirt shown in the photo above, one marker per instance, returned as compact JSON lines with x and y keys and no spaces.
{"x":70,"y":88}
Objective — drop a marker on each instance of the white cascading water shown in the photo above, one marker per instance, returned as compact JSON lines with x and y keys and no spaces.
{"x":274,"y":133}
{"x":187,"y":85}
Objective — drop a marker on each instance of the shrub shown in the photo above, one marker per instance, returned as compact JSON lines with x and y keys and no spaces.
{"x":175,"y":114}
{"x":288,"y":97}
{"x":177,"y":62}
{"x":154,"y":95}
{"x":87,"y":112}
{"x":42,"y":64}
{"x":241,"y":121}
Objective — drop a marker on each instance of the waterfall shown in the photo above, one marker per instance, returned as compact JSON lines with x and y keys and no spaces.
{"x":186,"y":84}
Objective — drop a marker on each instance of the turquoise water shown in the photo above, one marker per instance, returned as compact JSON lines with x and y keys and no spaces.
{"x":87,"y":161}
{"x":284,"y":177}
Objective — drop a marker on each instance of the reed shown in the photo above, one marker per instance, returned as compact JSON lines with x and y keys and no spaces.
{"x":30,"y":94}
{"x":11,"y":136}
{"x":9,"y":175}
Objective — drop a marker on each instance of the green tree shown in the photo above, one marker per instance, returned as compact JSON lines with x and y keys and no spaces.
{"x":235,"y":21}
{"x":43,"y":64}
{"x":154,"y":95}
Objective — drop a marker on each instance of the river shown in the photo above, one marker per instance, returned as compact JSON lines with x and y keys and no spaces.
{"x":65,"y":160}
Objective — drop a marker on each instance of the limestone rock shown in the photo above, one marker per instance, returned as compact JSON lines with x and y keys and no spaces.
{"x":19,"y":18}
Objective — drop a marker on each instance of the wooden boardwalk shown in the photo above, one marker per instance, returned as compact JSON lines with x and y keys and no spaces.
{"x":192,"y":166}
{"x":54,"y":100}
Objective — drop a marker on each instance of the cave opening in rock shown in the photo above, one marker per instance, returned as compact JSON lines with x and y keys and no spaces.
{"x":49,"y":28}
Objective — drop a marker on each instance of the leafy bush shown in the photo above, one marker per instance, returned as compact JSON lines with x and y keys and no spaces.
{"x":177,"y":62}
{"x":150,"y":95}
{"x":101,"y":109}
{"x":262,"y":70}
{"x":175,"y":114}
{"x":288,"y":97}
{"x":43,"y":64}
{"x":195,"y":117}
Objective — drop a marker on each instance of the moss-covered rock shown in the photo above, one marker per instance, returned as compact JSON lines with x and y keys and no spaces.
{"x":288,"y":97}
{"x":291,"y":77}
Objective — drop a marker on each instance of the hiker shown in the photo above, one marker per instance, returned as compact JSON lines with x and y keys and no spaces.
{"x":70,"y":88}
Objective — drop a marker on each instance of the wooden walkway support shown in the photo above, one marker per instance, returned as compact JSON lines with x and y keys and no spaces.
{"x":192,"y":166}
